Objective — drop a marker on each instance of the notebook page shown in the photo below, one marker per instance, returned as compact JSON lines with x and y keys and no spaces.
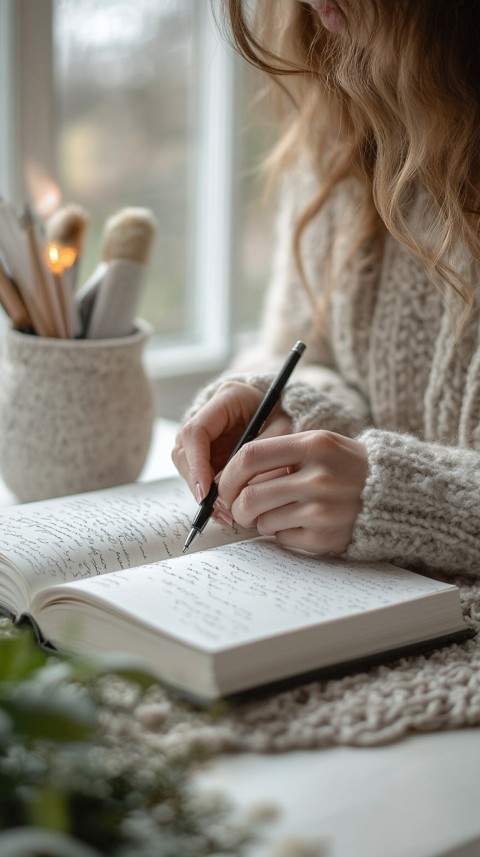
{"x":82,"y":536}
{"x":236,"y":593}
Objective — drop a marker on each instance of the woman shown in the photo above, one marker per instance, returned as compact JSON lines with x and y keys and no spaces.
{"x":374,"y":453}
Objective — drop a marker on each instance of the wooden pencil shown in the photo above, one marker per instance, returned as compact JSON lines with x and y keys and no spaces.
{"x":43,"y":281}
{"x":13,"y":303}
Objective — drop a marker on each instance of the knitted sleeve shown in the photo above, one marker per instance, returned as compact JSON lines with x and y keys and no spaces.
{"x":331,"y":405}
{"x":317,"y":396}
{"x":421,"y":505}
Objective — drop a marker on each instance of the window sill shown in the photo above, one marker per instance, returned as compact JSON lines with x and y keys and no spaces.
{"x":172,"y":361}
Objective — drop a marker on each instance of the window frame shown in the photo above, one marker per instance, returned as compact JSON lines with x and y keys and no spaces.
{"x":7,"y":133}
{"x":27,"y":126}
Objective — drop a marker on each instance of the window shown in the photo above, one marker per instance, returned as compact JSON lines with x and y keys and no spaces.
{"x":141,"y":103}
{"x":125,"y":82}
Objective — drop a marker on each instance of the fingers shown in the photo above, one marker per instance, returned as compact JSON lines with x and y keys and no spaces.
{"x":261,"y":497}
{"x":301,"y":538}
{"x":255,"y":459}
{"x":197,"y":470}
{"x":317,"y":527}
{"x":304,"y":489}
{"x":205,"y":441}
{"x":322,"y":460}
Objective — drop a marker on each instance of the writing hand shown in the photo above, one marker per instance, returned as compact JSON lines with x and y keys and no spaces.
{"x":205,"y":441}
{"x":314,"y":501}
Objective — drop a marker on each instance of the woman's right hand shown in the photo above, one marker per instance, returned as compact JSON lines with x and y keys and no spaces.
{"x":204,"y":443}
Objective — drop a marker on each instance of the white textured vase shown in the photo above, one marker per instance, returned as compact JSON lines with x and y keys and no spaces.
{"x":75,"y":415}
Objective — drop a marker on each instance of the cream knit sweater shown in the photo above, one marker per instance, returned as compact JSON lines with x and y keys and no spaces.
{"x":389,"y":371}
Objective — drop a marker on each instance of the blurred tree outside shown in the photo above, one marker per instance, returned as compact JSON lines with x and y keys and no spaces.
{"x":126,"y":135}
{"x":124,"y":87}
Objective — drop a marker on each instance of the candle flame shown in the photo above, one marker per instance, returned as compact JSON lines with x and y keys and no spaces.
{"x":60,"y":257}
{"x":44,"y":192}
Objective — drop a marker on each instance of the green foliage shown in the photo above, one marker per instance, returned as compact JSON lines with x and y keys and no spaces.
{"x":65,"y":782}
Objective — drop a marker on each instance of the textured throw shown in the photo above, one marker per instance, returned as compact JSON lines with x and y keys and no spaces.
{"x":422,"y":693}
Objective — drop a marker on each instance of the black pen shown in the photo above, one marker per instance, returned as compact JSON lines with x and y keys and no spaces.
{"x":262,"y":413}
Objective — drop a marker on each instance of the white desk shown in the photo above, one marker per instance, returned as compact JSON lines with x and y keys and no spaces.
{"x":417,"y":798}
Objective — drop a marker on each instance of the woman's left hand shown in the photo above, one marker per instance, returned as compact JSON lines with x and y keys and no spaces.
{"x":304,"y":488}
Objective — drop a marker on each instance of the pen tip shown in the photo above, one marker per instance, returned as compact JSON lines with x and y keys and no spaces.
{"x":189,"y":539}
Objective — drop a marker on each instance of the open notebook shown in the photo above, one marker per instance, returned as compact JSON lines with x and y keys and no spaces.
{"x":103,"y":572}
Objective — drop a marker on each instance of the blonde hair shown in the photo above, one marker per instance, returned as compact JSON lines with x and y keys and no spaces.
{"x":397,"y":107}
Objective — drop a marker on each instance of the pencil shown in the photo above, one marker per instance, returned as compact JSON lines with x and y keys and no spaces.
{"x":12,"y":302}
{"x":43,"y":284}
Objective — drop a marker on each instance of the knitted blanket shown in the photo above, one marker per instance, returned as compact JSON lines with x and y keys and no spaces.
{"x":421,"y":693}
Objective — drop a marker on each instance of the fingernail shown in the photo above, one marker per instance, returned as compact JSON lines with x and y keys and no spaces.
{"x":198,"y":492}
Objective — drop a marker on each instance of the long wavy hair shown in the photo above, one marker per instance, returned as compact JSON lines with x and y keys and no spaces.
{"x":393,"y":100}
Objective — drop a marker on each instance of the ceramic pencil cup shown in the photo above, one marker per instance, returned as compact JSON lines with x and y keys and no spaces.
{"x":75,"y":415}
